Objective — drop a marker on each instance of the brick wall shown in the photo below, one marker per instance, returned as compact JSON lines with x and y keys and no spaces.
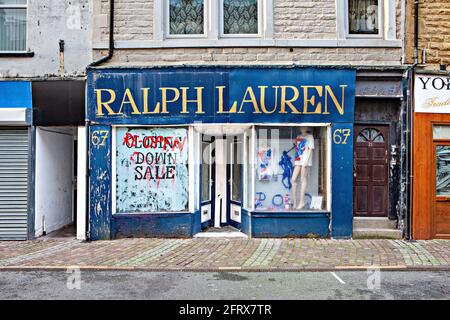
{"x":133,"y":20}
{"x":295,"y":19}
{"x":255,"y":56}
{"x":292,"y":19}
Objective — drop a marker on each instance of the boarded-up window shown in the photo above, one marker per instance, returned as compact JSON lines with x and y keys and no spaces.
{"x":151,"y":170}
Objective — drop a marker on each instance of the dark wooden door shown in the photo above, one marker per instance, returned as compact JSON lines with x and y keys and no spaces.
{"x":370,"y":194}
{"x":441,"y":186}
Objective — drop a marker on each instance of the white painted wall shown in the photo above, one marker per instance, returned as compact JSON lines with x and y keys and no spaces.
{"x":48,"y":22}
{"x":81,"y":184}
{"x":53,"y":187}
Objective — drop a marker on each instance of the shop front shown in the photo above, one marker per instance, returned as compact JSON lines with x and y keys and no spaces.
{"x":431,"y":184}
{"x":16,"y":161}
{"x":175,"y":151}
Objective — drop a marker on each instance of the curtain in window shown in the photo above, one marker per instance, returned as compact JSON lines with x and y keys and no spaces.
{"x":363,"y":16}
{"x":240,"y":16}
{"x":186,"y":16}
{"x":13,"y":25}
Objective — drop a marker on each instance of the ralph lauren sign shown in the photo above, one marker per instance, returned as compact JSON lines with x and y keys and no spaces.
{"x":220,"y":95}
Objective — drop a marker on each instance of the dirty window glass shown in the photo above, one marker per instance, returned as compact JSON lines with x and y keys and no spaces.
{"x":151,"y":170}
{"x":443,"y":170}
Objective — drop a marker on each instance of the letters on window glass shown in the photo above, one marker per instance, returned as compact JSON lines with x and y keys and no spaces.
{"x":151,"y":170}
{"x":291,"y":173}
{"x":186,"y":17}
{"x":363,"y":16}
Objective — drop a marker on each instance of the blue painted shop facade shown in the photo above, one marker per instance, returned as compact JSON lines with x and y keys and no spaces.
{"x":174,"y":151}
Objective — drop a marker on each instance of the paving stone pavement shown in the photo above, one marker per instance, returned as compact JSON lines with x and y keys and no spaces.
{"x":225,"y":254}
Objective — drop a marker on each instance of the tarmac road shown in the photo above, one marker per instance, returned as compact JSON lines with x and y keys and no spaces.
{"x":212,"y":285}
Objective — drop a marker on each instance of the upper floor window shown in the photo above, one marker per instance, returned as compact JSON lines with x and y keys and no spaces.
{"x":13,"y":19}
{"x":364,"y":17}
{"x":240,"y":17}
{"x":186,"y":17}
{"x":213,"y":19}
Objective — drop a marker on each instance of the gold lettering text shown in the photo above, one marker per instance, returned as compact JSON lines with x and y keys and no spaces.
{"x":289,"y":102}
{"x":185,"y":100}
{"x":105,"y":104}
{"x":311,"y":100}
{"x":165,"y":101}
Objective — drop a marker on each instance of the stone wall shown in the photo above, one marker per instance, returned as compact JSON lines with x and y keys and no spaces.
{"x":434,"y":32}
{"x":292,"y":20}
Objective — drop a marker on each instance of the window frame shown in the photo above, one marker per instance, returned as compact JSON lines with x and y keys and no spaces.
{"x":261,"y":20}
{"x":213,"y":30}
{"x":17,"y":6}
{"x":387,"y":20}
{"x":232,"y":177}
{"x":381,"y":23}
{"x":191,"y":169}
{"x":210,"y":158}
{"x":166,"y":20}
{"x":249,"y":204}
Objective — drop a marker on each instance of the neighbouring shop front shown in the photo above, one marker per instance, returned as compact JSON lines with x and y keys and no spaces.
{"x":38,"y":121}
{"x":173,"y":151}
{"x":16,"y":161}
{"x":431,"y":156}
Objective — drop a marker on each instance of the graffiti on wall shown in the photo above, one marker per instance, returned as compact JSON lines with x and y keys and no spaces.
{"x":151,"y":170}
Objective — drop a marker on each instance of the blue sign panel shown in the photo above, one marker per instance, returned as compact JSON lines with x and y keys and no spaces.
{"x":15,"y":94}
{"x":220,"y":95}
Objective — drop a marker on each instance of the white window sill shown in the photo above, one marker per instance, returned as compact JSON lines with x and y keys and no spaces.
{"x":245,"y":43}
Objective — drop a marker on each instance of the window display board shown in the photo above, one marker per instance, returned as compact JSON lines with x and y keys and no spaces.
{"x":144,"y":179}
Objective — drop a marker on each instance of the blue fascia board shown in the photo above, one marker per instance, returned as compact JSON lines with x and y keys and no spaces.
{"x":15,"y":94}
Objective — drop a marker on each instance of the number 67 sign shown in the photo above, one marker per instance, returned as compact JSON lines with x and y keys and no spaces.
{"x":340,"y":136}
{"x":99,"y":137}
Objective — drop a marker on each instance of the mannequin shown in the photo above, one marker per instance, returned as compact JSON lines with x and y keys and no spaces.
{"x":304,"y":145}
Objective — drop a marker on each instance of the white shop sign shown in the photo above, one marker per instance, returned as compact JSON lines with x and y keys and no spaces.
{"x":431,"y":94}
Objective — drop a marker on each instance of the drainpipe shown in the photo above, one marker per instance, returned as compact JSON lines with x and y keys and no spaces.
{"x":95,"y":64}
{"x":416,"y":32}
{"x":111,"y":38}
{"x":410,"y":124}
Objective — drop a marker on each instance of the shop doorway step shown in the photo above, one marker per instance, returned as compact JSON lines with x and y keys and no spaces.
{"x":222,"y":232}
{"x":375,"y":228}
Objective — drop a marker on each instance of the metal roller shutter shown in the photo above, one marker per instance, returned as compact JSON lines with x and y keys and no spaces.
{"x":13,"y":184}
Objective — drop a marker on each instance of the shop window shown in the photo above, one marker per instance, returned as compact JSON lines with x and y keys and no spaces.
{"x":240,"y":17}
{"x":364,"y":17}
{"x":291,"y":169}
{"x":443,"y":170}
{"x":151,"y":170}
{"x":186,"y":17}
{"x":13,"y":25}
